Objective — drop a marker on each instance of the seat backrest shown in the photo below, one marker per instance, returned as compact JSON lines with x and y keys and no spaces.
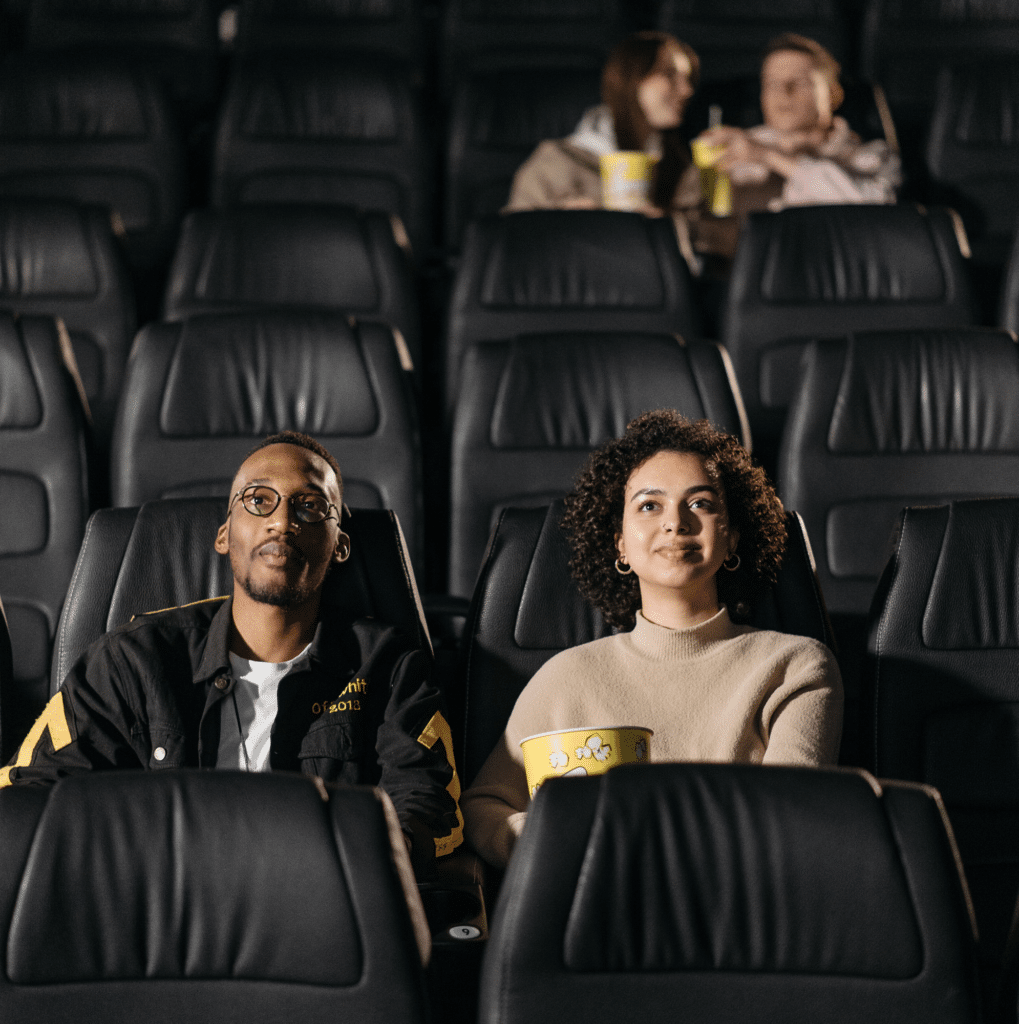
{"x":99,"y":133}
{"x":342,"y":129}
{"x":200,"y":393}
{"x":973,"y":151}
{"x":944,"y":635}
{"x":804,"y":894}
{"x":44,"y":485}
{"x":394,"y":27}
{"x":479,"y":34}
{"x":136,"y":560}
{"x":530,"y":410}
{"x":1008,"y":311}
{"x":905,"y":42}
{"x":821,"y":271}
{"x":201,"y":895}
{"x":6,"y":659}
{"x":526,"y":608}
{"x":61,"y":259}
{"x":297,"y":258}
{"x":886,"y":419}
{"x":730,"y":35}
{"x":496,"y":119}
{"x":566,"y":270}
{"x":177,"y":40}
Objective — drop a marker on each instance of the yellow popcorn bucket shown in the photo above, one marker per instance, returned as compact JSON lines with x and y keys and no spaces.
{"x":583,"y":752}
{"x":716,"y":188}
{"x":626,"y":179}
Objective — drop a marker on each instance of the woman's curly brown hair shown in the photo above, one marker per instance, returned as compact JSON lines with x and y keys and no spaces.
{"x":594,"y":511}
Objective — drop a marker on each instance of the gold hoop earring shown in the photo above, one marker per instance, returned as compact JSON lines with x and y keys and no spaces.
{"x":623,"y":572}
{"x":731,"y":568}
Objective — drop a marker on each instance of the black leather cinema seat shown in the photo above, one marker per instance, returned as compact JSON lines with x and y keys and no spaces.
{"x":44,"y":487}
{"x":526,"y":608}
{"x":888,"y":419}
{"x":200,"y":896}
{"x":61,"y":259}
{"x":973,"y":153}
{"x":97,"y":133}
{"x":821,"y":271}
{"x":136,"y":560}
{"x":6,"y":661}
{"x":200,"y":394}
{"x":530,"y":410}
{"x":175,"y":40}
{"x":308,"y":128}
{"x":496,"y":119}
{"x":540,"y":33}
{"x":566,"y":270}
{"x":296,"y":258}
{"x":944,"y":647}
{"x":721,"y":893}
{"x":393,"y":27}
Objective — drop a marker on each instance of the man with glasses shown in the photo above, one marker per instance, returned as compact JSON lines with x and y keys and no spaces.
{"x":269,"y":678}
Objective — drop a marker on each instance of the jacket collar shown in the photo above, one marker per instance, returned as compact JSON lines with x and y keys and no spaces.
{"x":215,"y":660}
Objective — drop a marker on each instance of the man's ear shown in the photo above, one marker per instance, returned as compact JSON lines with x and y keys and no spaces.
{"x":222,"y":544}
{"x":342,"y":552}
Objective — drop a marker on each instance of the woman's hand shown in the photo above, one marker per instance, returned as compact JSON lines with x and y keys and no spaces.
{"x":579,"y":203}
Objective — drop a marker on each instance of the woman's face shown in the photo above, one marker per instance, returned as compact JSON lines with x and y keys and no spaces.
{"x":794,"y":94}
{"x":664,"y":93}
{"x":675,"y":532}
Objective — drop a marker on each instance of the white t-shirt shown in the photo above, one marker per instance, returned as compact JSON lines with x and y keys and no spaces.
{"x":248,"y":712}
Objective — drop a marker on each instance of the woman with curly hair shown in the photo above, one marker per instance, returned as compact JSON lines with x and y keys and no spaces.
{"x":670,"y":526}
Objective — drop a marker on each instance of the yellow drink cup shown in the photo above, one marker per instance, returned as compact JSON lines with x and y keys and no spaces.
{"x":583,"y":752}
{"x":715,"y":185}
{"x":626,"y":179}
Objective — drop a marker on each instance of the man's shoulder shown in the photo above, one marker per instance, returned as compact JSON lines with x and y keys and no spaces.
{"x":165,"y":625}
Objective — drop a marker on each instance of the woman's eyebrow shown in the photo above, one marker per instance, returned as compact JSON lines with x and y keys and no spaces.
{"x":658,"y":491}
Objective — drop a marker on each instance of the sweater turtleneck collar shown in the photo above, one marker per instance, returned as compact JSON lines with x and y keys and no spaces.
{"x":660,"y":643}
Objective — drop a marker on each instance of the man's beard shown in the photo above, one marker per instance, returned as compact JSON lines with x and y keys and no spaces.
{"x":280,"y":595}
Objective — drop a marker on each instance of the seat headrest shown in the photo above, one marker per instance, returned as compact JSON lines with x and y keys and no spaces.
{"x":193,"y":878}
{"x":554,"y":259}
{"x":20,"y":402}
{"x":712,"y":869}
{"x":930,"y":391}
{"x":553,"y":390}
{"x":839,"y":254}
{"x":254,"y":375}
{"x":45,"y":251}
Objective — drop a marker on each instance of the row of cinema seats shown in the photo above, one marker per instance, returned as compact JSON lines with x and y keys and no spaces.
{"x":808,"y":874}
{"x":564,"y":326}
{"x":312,"y":111}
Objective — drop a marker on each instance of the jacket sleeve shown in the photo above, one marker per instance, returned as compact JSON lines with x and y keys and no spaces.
{"x":415,"y":751}
{"x":86,"y":726}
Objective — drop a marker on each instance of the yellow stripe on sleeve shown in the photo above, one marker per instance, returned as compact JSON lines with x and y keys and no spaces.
{"x":54,"y":718}
{"x":437,"y":730}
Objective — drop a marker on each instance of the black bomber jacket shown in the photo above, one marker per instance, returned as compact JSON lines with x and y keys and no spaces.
{"x":148,"y":695}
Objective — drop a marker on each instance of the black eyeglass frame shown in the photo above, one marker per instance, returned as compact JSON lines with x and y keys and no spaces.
{"x":290,"y":501}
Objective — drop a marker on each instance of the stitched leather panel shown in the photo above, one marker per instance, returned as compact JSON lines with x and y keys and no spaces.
{"x":848,"y":261}
{"x":44,"y":251}
{"x":250,"y":376}
{"x":349,"y":101}
{"x":83,"y":102}
{"x":572,"y":268}
{"x":741,"y":896}
{"x":20,"y":403}
{"x":572,"y":391}
{"x":974,"y":597}
{"x":159,"y":899}
{"x":935,"y":392}
{"x":26,"y":494}
{"x":244,"y":258}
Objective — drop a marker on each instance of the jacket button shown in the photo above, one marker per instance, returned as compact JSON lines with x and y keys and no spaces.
{"x":159,"y":753}
{"x":222,"y":683}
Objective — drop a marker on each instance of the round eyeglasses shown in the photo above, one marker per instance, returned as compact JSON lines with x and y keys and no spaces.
{"x":262,"y":501}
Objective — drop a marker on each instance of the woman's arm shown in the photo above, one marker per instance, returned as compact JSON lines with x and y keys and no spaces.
{"x":495,"y":806}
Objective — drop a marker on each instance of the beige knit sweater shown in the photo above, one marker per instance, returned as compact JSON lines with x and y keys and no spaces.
{"x":715,"y":692}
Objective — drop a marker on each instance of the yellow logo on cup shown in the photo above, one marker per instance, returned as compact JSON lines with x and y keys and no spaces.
{"x":626,"y":179}
{"x":583,"y":752}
